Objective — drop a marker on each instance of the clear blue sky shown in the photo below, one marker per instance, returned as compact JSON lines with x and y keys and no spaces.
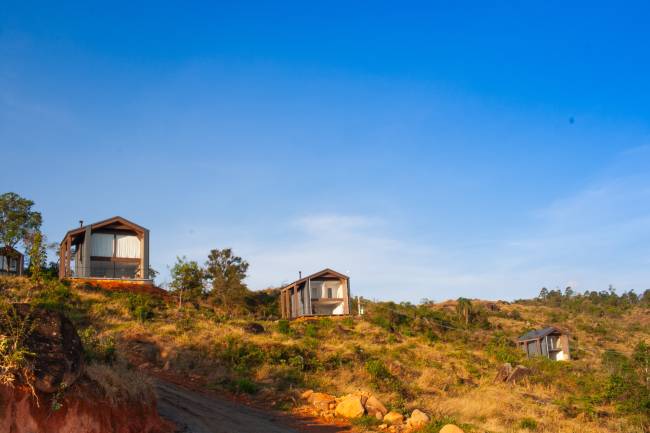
{"x":428,"y":150}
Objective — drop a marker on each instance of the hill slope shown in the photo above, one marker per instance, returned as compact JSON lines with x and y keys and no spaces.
{"x":434,"y":357}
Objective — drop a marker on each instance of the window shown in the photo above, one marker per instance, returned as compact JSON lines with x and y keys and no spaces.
{"x":13,"y":264}
{"x":329,"y":292}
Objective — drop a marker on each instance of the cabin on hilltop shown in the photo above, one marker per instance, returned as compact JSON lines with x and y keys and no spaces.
{"x":11,"y":261}
{"x":112,"y":249}
{"x":325,"y":293}
{"x":549,"y":342}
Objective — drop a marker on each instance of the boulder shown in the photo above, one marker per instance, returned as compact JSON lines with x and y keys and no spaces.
{"x":374,"y":406}
{"x":451,"y":428}
{"x":320,"y":400}
{"x":504,"y":371}
{"x":254,"y":328}
{"x":518,"y":373}
{"x":393,"y":418}
{"x":350,"y":407}
{"x":54,"y":339}
{"x":418,"y":418}
{"x":305,"y":395}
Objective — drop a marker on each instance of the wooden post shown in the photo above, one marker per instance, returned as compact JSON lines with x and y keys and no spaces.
{"x":61,"y":261}
{"x":85,"y":252}
{"x":346,"y":296}
{"x":144,"y":255}
{"x":296,"y":301}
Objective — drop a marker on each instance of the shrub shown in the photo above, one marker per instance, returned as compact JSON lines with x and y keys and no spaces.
{"x":503,"y":349}
{"x":140,"y":306}
{"x":242,"y":356}
{"x":15,"y":357}
{"x":96,"y":348}
{"x":283,"y":327}
{"x":381,"y":377}
{"x":528,"y":423}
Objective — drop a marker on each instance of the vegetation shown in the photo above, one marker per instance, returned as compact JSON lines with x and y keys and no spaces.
{"x":440,"y":358}
{"x":18,"y":221}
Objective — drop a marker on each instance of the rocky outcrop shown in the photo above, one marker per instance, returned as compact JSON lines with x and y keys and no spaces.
{"x":350,"y":407}
{"x":81,"y":410}
{"x":451,"y":428}
{"x":509,"y":374}
{"x":54,"y":340}
{"x":55,"y":396}
{"x":375,"y":408}
{"x":418,"y":419}
{"x":393,"y":418}
{"x":362,"y":403}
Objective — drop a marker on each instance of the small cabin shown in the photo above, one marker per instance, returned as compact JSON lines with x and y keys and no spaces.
{"x":325,"y":293}
{"x":549,"y":342}
{"x":115,"y":248}
{"x":12,"y":262}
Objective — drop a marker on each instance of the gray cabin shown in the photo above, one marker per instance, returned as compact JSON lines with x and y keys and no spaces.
{"x":549,"y":342}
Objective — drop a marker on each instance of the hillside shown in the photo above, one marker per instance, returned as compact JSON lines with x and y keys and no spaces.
{"x":426,"y":357}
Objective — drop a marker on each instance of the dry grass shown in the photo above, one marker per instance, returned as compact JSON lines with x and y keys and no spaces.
{"x":120,"y":384}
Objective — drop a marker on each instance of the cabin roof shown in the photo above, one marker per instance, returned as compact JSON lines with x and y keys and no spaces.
{"x":104,"y":223}
{"x":324,"y":272}
{"x":9,"y":251}
{"x":539,"y":333}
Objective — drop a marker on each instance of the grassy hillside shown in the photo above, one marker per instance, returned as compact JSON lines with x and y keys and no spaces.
{"x":440,"y":358}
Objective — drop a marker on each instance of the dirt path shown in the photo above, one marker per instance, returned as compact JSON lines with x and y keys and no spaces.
{"x":196,"y":412}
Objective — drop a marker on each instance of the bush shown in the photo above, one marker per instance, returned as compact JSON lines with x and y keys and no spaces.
{"x":96,"y":348}
{"x":381,"y":377}
{"x":528,"y":423}
{"x":283,"y":327}
{"x":140,"y":306}
{"x":503,"y":349}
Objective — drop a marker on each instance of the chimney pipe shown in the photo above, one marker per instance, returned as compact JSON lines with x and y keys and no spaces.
{"x":299,"y":274}
{"x":81,"y":223}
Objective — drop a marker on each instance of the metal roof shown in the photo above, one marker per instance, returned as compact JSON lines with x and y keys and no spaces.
{"x":538,"y":333}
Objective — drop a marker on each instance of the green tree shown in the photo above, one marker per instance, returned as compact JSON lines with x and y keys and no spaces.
{"x":464,"y":310}
{"x":37,"y":256}
{"x":226,"y":273}
{"x":187,"y":280}
{"x":17,"y":219}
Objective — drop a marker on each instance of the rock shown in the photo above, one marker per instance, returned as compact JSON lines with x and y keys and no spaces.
{"x":350,"y":407}
{"x":382,"y":426}
{"x":451,"y":428}
{"x":321,"y":400}
{"x":379,"y":416}
{"x":504,"y":371}
{"x":518,"y":373}
{"x":54,"y":340}
{"x":393,"y":418}
{"x":254,"y":328}
{"x":374,"y":406}
{"x":418,"y":418}
{"x":305,"y":395}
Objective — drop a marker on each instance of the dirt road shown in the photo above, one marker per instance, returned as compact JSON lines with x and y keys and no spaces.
{"x":195,"y":412}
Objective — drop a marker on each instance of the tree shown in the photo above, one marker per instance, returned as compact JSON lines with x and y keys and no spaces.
{"x":187,"y":280}
{"x":227,"y":272}
{"x":37,"y":256}
{"x":17,"y":219}
{"x":464,"y":310}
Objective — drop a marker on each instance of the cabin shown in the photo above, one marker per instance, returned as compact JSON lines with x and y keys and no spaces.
{"x":12,"y":262}
{"x":114,"y":248}
{"x":549,"y":342}
{"x":325,"y":293}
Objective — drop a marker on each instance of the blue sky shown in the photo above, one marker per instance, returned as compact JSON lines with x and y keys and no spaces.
{"x":428,"y":150}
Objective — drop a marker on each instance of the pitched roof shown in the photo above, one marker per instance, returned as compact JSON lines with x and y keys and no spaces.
{"x":104,"y":223}
{"x":324,"y":272}
{"x":538,"y":333}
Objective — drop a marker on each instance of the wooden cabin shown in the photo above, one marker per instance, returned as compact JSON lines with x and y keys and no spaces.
{"x":549,"y":342}
{"x":325,"y":293}
{"x":12,"y":261}
{"x":115,"y":248}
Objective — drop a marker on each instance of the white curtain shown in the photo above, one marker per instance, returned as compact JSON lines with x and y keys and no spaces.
{"x":128,"y":246}
{"x":102,"y":245}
